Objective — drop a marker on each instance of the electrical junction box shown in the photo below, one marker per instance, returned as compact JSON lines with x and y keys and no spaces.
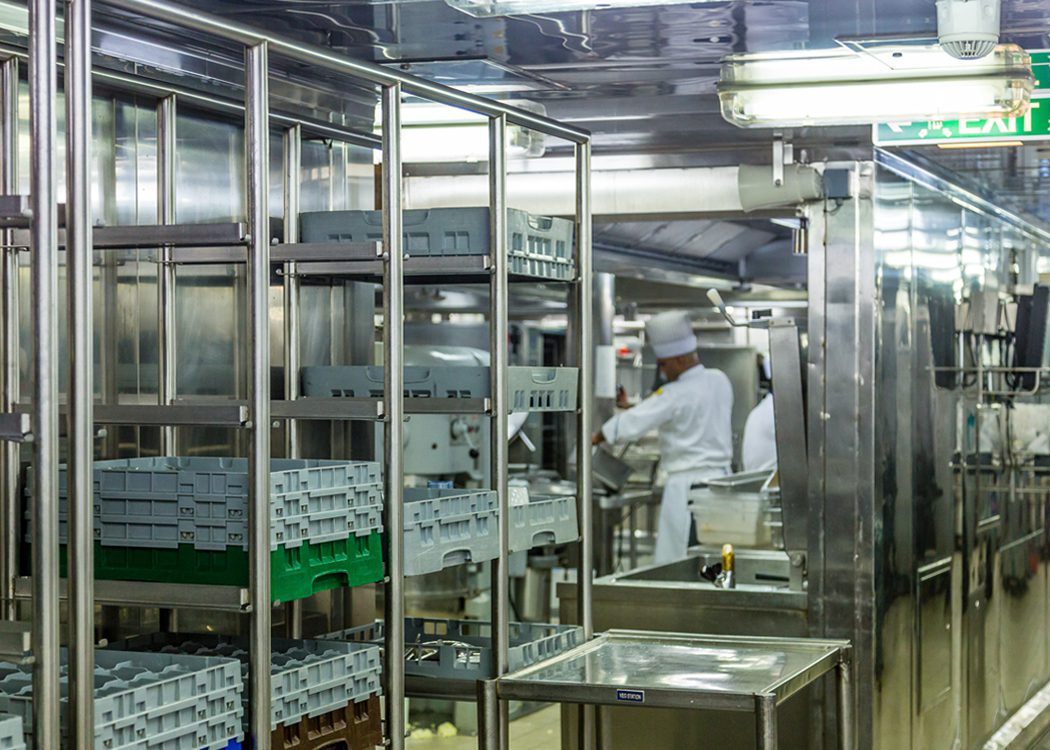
{"x":836,"y":184}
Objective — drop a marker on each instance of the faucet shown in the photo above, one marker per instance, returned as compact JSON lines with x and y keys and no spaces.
{"x":727,"y":580}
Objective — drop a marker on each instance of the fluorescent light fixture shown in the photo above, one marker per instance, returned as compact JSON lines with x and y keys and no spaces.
{"x":978,"y":144}
{"x":888,"y":84}
{"x":528,"y":7}
{"x":438,"y":133}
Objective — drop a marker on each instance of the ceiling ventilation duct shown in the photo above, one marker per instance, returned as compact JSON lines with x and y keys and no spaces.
{"x":759,"y":190}
{"x":968,"y":29}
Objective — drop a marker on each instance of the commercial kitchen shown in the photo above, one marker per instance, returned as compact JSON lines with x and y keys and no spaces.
{"x":524,"y":374}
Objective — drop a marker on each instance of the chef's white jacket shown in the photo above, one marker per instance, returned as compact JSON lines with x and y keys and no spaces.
{"x":693,"y":416}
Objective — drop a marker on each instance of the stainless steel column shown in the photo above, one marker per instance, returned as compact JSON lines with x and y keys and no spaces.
{"x":604,"y":286}
{"x":585,"y":361}
{"x":499,"y":302}
{"x":394,"y":411}
{"x":584,"y":299}
{"x":167,"y":340}
{"x":844,"y":683}
{"x":293,"y":142}
{"x":257,"y":140}
{"x":79,"y":270}
{"x":766,"y":721}
{"x":44,"y":240}
{"x":604,"y":333}
{"x":10,"y":452}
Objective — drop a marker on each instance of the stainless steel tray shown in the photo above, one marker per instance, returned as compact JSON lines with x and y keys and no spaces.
{"x":624,"y":667}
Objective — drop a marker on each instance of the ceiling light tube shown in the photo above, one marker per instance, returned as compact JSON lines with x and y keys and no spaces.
{"x":438,"y":133}
{"x":528,"y":7}
{"x":889,"y":84}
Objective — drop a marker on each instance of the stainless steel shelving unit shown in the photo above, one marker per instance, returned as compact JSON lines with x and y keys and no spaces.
{"x":31,"y":224}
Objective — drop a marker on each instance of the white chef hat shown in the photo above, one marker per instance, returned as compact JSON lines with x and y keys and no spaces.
{"x":670,"y":334}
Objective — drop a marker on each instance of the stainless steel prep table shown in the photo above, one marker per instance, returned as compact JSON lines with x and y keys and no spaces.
{"x":678,"y":670}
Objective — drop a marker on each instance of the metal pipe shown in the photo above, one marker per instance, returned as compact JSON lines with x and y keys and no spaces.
{"x":844,"y":684}
{"x":292,"y":168}
{"x":167,"y":340}
{"x":603,"y":721}
{"x":499,"y":302}
{"x":394,"y":409}
{"x":225,"y":28}
{"x":79,"y":272}
{"x":604,"y":405}
{"x":584,"y":298}
{"x":10,"y":452}
{"x":257,"y":141}
{"x":766,"y":721}
{"x":44,"y":234}
{"x":626,"y":194}
{"x":585,"y":361}
{"x":488,"y":715}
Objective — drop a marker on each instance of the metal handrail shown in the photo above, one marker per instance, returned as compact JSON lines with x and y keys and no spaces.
{"x":110,"y":80}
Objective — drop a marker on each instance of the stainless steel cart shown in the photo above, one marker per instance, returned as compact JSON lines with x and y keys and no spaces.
{"x":677,"y":670}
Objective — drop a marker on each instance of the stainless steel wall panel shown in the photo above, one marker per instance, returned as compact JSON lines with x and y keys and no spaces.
{"x":844,"y":432}
{"x":938,"y":626}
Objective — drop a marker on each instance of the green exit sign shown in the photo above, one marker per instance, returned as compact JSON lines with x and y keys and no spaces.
{"x":1033,"y":126}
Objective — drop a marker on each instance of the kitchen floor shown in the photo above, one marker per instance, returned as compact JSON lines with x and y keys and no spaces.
{"x":538,"y":731}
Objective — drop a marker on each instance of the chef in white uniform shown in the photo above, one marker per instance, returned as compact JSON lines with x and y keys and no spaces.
{"x":693,"y":416}
{"x":759,"y":447}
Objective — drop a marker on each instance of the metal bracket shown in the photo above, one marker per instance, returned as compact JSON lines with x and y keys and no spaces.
{"x":783,"y":155}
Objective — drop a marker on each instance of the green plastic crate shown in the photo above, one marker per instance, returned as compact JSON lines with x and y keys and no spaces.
{"x":296,"y":572}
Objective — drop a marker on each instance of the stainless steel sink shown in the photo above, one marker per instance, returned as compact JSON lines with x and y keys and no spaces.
{"x":756,"y":570}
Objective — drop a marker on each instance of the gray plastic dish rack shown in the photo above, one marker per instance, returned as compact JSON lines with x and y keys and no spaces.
{"x":544,"y":519}
{"x":309,"y":678}
{"x":11,"y":733}
{"x":164,"y":502}
{"x":529,"y":389}
{"x":539,"y":246}
{"x":462,"y":649}
{"x":143,"y":700}
{"x":444,"y":528}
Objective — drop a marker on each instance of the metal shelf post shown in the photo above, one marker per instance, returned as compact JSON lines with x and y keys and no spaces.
{"x":10,"y":452}
{"x":585,"y":361}
{"x":167,"y":391}
{"x":394,"y":411}
{"x":257,"y":142}
{"x":293,"y":140}
{"x":584,"y":299}
{"x":499,"y":301}
{"x":79,"y":271}
{"x":43,"y":96}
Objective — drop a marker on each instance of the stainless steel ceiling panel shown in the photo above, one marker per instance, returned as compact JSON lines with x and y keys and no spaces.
{"x":641,"y":79}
